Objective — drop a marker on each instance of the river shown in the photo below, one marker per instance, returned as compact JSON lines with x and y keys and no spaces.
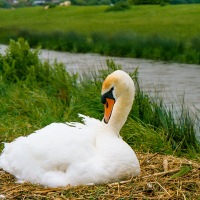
{"x":172,"y":81}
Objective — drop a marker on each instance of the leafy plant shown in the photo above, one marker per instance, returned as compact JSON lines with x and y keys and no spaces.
{"x":19,"y":58}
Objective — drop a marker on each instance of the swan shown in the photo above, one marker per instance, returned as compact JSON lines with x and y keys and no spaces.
{"x":92,"y":152}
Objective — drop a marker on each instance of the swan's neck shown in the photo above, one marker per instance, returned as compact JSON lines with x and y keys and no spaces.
{"x":120,"y":111}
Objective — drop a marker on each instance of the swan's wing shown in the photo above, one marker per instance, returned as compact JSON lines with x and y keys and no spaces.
{"x":53,"y":148}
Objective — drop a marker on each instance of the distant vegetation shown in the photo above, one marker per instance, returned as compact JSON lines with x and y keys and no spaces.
{"x":34,"y":94}
{"x":169,"y":33}
{"x":25,"y":3}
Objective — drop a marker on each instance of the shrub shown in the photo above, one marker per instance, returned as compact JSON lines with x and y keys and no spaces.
{"x":19,"y":58}
{"x":119,"y":6}
{"x":119,"y":44}
{"x":22,"y":65}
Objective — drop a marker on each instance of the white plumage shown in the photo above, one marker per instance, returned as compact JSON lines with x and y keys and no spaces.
{"x":75,"y":153}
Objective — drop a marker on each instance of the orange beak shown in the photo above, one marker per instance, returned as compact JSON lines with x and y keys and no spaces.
{"x":108,"y":107}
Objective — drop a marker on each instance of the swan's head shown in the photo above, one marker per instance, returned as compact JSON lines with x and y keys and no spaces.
{"x":117,"y":85}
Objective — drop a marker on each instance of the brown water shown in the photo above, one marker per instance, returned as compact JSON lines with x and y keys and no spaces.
{"x":172,"y":81}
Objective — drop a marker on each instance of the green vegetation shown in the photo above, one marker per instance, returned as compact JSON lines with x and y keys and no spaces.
{"x":34,"y":94}
{"x":26,"y":3}
{"x":119,"y":6}
{"x":168,"y":33}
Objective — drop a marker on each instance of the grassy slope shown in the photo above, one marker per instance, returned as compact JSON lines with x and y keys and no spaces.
{"x":180,"y":21}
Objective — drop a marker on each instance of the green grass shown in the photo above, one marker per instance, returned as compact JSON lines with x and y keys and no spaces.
{"x":179,"y":22}
{"x":47,"y":93}
{"x":169,"y":33}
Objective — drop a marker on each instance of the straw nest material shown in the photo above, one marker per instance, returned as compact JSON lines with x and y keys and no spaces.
{"x":162,"y":177}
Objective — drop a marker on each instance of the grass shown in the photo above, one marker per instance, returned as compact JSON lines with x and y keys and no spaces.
{"x":168,"y":33}
{"x":47,"y":93}
{"x":179,"y":22}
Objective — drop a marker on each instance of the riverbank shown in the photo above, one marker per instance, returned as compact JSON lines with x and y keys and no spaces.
{"x":173,"y":82}
{"x":56,"y":94}
{"x":34,"y":94}
{"x":171,"y":34}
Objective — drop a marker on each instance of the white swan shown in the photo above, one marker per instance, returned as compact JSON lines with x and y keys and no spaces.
{"x":74,"y":153}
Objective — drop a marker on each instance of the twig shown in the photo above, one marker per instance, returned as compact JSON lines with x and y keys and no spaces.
{"x":162,"y":187}
{"x":165,"y":165}
{"x":148,"y":159}
{"x":161,"y":173}
{"x":11,"y":189}
{"x":43,"y":191}
{"x":184,"y":196}
{"x":121,"y":182}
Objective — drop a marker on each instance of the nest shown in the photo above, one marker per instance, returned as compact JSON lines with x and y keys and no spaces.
{"x":162,"y":177}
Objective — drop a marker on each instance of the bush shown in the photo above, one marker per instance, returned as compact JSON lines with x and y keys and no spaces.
{"x":121,"y":44}
{"x":145,"y":2}
{"x":19,"y":59}
{"x":22,"y":65}
{"x":119,"y":6}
